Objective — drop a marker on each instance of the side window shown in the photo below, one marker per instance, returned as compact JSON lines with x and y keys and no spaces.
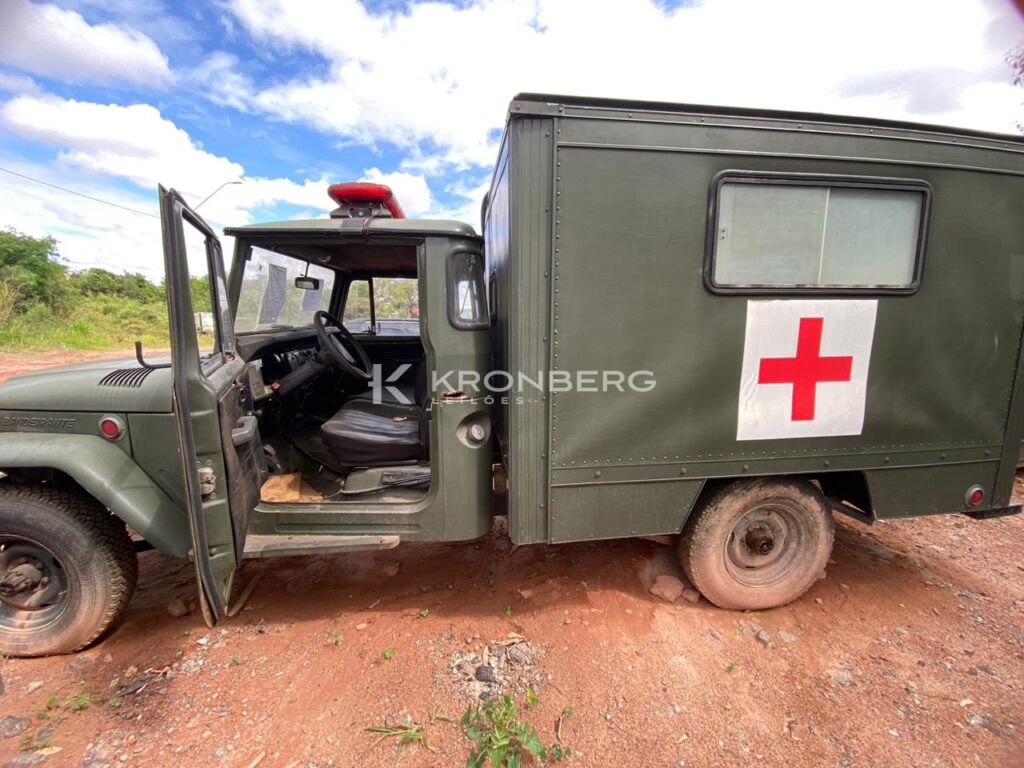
{"x":467,"y":296}
{"x":385,"y":306}
{"x":802,"y":232}
{"x":209,"y":296}
{"x":396,"y":306}
{"x":357,"y":307}
{"x":201,"y":288}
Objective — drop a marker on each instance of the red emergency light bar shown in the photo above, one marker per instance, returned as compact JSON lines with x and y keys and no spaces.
{"x":351,"y":194}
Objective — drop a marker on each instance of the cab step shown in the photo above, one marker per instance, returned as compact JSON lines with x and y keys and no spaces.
{"x":281,"y":545}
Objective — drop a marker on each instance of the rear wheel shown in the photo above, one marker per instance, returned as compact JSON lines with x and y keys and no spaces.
{"x":757,"y":544}
{"x":67,"y":570}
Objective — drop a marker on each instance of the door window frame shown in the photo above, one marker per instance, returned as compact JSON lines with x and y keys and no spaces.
{"x":454,"y":317}
{"x":343,"y":303}
{"x":355,"y":277}
{"x":224,"y":332}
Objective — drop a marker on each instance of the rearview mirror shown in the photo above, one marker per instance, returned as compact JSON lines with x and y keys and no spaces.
{"x":307,"y":283}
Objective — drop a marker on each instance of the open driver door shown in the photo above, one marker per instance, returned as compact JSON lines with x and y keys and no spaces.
{"x":218,"y":435}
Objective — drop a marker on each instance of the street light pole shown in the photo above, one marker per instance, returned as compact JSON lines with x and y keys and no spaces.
{"x":218,"y":189}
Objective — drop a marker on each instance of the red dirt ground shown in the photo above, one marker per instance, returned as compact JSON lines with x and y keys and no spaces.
{"x":909,"y":653}
{"x":14,"y":363}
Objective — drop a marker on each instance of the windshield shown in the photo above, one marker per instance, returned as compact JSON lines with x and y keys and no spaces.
{"x":269,"y":299}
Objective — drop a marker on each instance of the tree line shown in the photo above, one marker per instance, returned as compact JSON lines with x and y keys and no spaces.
{"x":44,"y":303}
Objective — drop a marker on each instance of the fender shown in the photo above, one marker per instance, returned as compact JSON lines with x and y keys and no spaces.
{"x":111,"y":477}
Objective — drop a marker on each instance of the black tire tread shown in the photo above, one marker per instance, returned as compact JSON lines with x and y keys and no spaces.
{"x":110,"y":537}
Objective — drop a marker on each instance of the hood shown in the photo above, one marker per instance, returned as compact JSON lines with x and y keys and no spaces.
{"x":108,"y":386}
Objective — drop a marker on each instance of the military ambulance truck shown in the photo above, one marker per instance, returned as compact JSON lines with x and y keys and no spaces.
{"x":721,"y":325}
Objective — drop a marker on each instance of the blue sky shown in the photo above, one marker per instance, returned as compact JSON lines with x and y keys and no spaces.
{"x":111,"y":97}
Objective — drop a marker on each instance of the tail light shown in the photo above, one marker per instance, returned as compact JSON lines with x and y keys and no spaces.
{"x":974,"y":496}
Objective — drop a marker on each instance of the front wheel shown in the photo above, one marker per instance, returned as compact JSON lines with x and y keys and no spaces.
{"x":67,"y":570}
{"x":758,"y":544}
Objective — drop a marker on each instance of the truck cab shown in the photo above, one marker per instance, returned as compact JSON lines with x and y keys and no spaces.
{"x":307,"y":417}
{"x":312,"y":415}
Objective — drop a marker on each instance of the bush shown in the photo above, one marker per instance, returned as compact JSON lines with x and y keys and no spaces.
{"x":95,"y":322}
{"x":44,"y":307}
{"x":133,"y":286}
{"x":30,"y":265}
{"x":8,"y":298}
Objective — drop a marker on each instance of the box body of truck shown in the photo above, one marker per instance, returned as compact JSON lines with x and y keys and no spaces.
{"x":632,"y":237}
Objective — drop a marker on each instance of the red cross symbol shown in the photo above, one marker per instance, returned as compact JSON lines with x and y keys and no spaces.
{"x":806,"y":370}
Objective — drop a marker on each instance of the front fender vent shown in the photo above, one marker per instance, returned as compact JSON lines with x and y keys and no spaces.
{"x":126,"y":377}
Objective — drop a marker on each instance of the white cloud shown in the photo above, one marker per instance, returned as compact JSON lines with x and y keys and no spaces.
{"x":102,"y":146}
{"x":133,"y":142}
{"x":467,"y":199}
{"x":53,"y":42}
{"x":218,"y":77}
{"x":88,"y":233}
{"x":10,"y":83}
{"x":435,"y":80}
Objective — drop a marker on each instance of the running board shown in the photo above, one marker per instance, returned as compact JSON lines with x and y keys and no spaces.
{"x":278,"y":545}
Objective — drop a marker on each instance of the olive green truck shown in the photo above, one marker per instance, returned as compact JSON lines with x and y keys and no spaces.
{"x":718,"y":324}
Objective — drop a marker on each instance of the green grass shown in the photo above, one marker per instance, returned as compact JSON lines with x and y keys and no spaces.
{"x":79,"y":701}
{"x":502,"y":740}
{"x":404,"y":735}
{"x":94,"y":322}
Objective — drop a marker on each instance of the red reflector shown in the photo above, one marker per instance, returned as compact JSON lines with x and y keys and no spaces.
{"x":365,"y":192}
{"x":975,"y":495}
{"x":111,"y":428}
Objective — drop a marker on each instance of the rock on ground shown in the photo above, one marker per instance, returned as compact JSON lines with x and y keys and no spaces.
{"x":12,"y":726}
{"x":668,"y":588}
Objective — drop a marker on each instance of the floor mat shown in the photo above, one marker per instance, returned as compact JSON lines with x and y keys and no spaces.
{"x":289,"y":489}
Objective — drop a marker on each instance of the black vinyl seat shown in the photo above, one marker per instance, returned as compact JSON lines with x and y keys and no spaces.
{"x":364,"y":433}
{"x":408,"y":391}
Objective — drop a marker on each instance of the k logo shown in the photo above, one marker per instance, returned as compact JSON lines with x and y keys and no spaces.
{"x":379,"y":385}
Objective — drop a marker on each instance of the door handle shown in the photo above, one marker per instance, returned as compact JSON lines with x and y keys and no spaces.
{"x":244,"y":431}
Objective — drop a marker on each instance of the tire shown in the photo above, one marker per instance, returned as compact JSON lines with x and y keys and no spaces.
{"x":88,"y":565}
{"x":757,"y":544}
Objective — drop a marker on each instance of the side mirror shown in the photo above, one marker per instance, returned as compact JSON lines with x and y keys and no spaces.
{"x":307,"y":283}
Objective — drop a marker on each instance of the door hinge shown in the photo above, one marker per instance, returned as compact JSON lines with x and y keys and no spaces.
{"x":207,"y":481}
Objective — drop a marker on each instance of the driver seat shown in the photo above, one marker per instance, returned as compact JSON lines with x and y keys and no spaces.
{"x":365,"y":433}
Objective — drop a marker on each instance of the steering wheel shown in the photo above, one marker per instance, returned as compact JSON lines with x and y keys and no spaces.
{"x":343,"y":351}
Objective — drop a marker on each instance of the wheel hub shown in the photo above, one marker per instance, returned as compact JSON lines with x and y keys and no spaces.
{"x":22,"y":578}
{"x":759,"y":540}
{"x":31,"y":578}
